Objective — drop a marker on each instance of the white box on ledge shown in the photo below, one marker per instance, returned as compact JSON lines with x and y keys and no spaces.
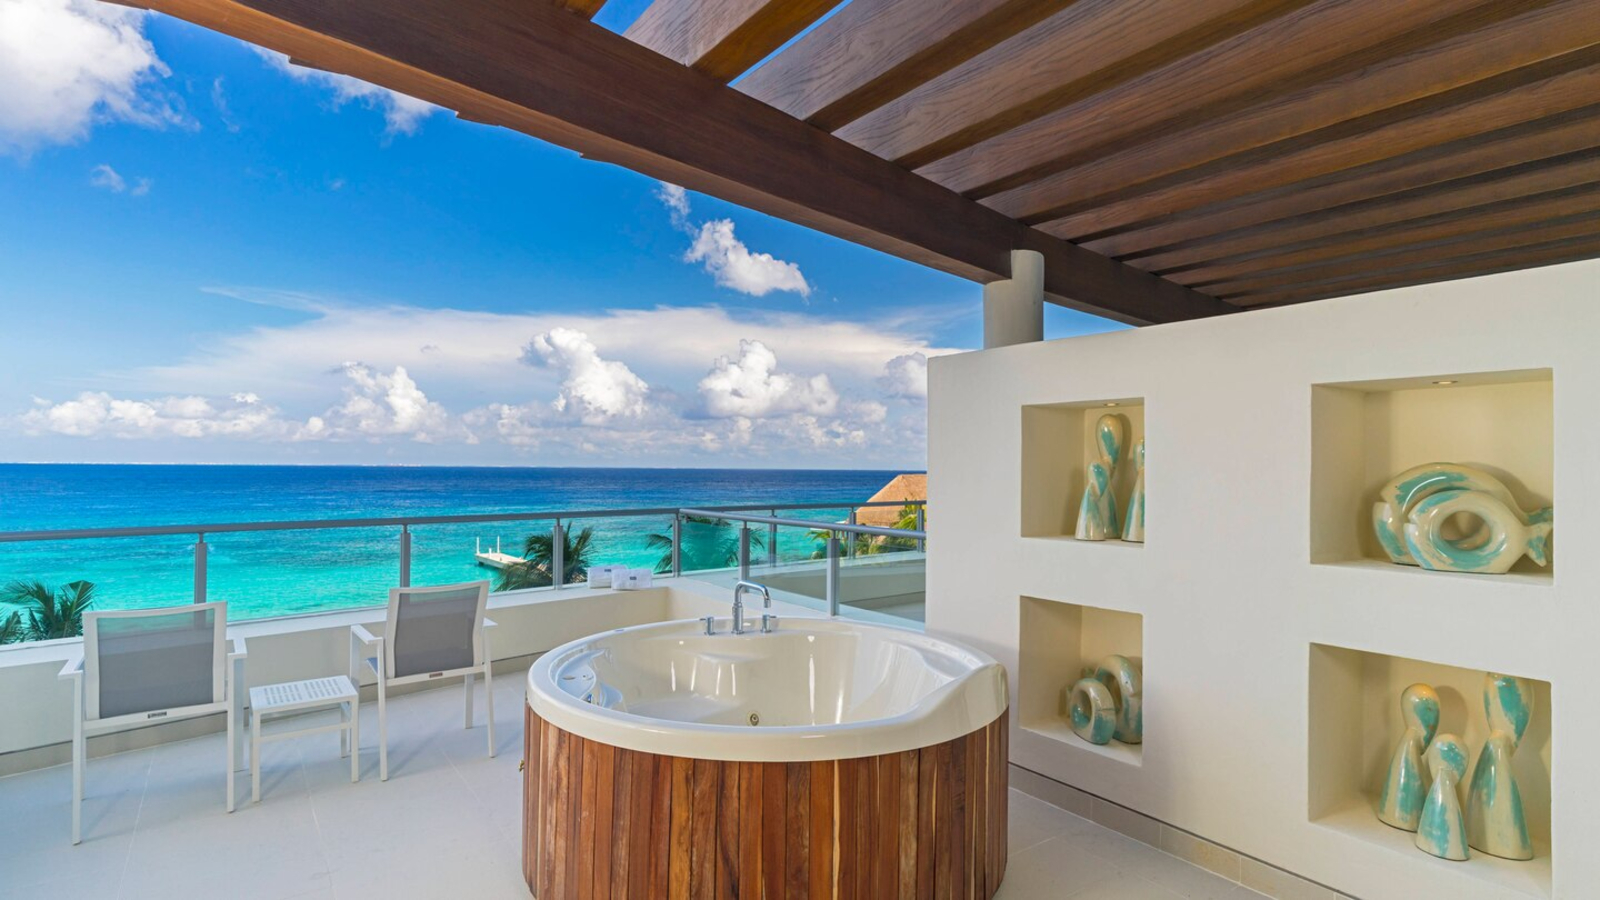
{"x":624,"y":579}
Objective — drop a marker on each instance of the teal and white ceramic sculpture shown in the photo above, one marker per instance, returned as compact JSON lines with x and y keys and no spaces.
{"x":1442,"y":830}
{"x":1405,"y":787}
{"x":1495,"y":823}
{"x":1133,"y":528}
{"x":1412,"y":511}
{"x":1097,"y":513}
{"x":1093,"y":714}
{"x":1121,"y":679}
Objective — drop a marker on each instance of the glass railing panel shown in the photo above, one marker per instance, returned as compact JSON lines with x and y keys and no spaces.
{"x":637,"y":542}
{"x":885,"y":576}
{"x":123,"y":573}
{"x":711,"y":544}
{"x":263,"y":574}
{"x":476,"y":551}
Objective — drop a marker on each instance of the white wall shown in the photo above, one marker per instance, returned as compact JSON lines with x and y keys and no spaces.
{"x":1230,"y":598}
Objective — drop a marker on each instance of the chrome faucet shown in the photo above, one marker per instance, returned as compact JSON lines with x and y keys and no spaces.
{"x":738,"y":605}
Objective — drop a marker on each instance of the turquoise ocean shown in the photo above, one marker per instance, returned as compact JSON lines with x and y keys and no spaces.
{"x":283,"y":572}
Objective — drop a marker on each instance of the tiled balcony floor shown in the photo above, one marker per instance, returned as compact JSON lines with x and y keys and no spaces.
{"x":447,"y":824}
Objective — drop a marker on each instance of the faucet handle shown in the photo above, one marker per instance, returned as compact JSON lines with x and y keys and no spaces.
{"x":768,"y":621}
{"x":711,"y":624}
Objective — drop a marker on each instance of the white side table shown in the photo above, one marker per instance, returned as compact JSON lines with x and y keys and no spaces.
{"x":300,"y":696}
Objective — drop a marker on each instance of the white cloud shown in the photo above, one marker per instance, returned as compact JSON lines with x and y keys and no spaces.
{"x":751,"y":387}
{"x":68,"y":64}
{"x":676,"y":200}
{"x":906,"y":376}
{"x":380,"y":405}
{"x":99,"y":414}
{"x":732,"y":264}
{"x":401,"y":114}
{"x":593,"y":389}
{"x":107,"y":178}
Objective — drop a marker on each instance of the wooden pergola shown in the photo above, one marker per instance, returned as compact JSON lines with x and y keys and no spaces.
{"x":1170,"y":159}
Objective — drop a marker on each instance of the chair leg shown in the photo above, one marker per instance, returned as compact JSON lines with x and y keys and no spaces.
{"x":466,"y":684}
{"x":383,"y":731}
{"x":78,"y":750}
{"x":488,"y":702}
{"x":233,"y":750}
{"x":255,"y":757}
{"x":354,"y":735}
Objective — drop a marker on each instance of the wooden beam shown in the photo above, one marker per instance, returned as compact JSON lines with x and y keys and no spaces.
{"x":1080,"y":51}
{"x":872,"y":51}
{"x":542,"y":71}
{"x":1520,"y":212}
{"x":1524,"y":96}
{"x":1447,"y":270}
{"x":1303,"y":47}
{"x":723,"y":38}
{"x":585,"y":8}
{"x":1405,"y":257}
{"x":1402,"y":88}
{"x":1182,"y":239}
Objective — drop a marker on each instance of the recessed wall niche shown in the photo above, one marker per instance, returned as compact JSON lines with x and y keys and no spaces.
{"x":1366,"y":432}
{"x":1355,"y":724}
{"x":1056,"y":642}
{"x":1058,"y":441}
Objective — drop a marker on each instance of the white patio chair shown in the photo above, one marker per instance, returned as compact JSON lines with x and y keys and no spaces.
{"x":431,"y":632}
{"x":140,"y":666}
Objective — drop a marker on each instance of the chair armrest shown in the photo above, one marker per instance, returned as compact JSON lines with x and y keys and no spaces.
{"x":73,"y":667}
{"x":359,"y":633}
{"x":488,"y":622}
{"x":239,"y":651}
{"x":363,"y":642}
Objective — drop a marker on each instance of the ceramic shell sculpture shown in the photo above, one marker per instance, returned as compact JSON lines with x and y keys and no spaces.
{"x":1410,"y":516}
{"x":1133,"y":528}
{"x":1097,"y":514}
{"x":1442,"y":830}
{"x":1092,"y":711}
{"x":1495,"y":823}
{"x":1405,"y":788}
{"x":1121,"y":678}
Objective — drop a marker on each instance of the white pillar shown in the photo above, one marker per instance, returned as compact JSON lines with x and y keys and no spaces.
{"x":1013,"y":311}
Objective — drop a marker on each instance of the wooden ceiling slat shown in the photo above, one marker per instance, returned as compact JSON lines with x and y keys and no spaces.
{"x":1082,"y":50}
{"x":1306,"y":46}
{"x":1401,"y":259}
{"x":875,"y":50}
{"x":1182,"y":240}
{"x":1522,"y":212}
{"x":542,"y":71}
{"x":586,"y":8}
{"x":1516,"y":101}
{"x":723,"y":38}
{"x":1445,"y":270}
{"x":1398,"y":90}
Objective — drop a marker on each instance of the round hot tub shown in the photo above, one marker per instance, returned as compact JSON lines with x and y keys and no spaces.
{"x":826,"y":758}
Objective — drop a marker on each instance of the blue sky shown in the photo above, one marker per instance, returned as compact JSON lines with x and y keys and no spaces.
{"x":207,"y":255}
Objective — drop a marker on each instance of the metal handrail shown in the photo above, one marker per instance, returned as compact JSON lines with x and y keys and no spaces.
{"x":815,"y":525}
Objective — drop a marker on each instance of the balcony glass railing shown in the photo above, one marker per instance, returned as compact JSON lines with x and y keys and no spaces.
{"x":271,"y":569}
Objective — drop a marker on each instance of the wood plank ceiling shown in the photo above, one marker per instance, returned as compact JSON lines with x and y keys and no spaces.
{"x":1171,"y":158}
{"x":1258,"y":151}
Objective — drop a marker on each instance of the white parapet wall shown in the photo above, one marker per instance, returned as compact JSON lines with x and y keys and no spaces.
{"x":1274,"y":637}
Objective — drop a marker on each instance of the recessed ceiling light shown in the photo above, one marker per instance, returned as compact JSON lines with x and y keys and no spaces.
{"x":1446,"y":381}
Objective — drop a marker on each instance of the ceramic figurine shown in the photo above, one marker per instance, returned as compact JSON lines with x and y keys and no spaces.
{"x":1442,"y":830}
{"x":1097,"y":514}
{"x":1133,"y":527}
{"x":1121,"y":679}
{"x":1410,"y":515}
{"x":1495,"y":823}
{"x":1405,"y":788}
{"x":1093,"y":714}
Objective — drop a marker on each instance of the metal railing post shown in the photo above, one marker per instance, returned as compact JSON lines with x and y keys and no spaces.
{"x":833,"y":574}
{"x":405,"y":556}
{"x":851,"y":547}
{"x":772,"y":543}
{"x":922,"y":512}
{"x":200,"y":550}
{"x":677,"y":544}
{"x":558,"y":555}
{"x":744,"y":551}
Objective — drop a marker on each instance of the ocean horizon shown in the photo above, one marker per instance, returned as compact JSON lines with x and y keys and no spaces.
{"x":275,"y":573}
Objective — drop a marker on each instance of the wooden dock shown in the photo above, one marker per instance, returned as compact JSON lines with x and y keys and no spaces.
{"x":495,"y":559}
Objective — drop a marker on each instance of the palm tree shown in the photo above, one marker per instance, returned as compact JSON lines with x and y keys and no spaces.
{"x":11,"y":630}
{"x":53,"y":614}
{"x":534,"y":571}
{"x":705,"y":548}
